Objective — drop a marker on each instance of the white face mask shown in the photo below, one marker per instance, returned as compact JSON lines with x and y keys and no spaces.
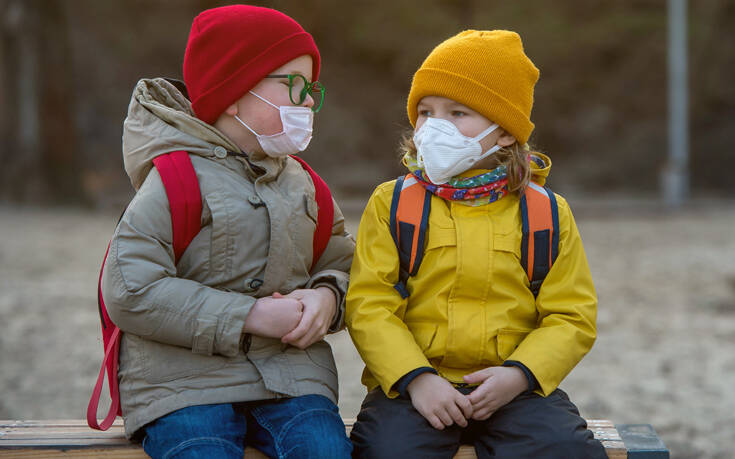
{"x":443,"y":151}
{"x":296,"y":135}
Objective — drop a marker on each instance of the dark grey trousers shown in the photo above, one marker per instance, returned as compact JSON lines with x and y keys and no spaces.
{"x":530,"y":426}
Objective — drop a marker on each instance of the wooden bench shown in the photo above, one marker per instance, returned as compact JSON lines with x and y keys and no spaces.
{"x":72,"y":438}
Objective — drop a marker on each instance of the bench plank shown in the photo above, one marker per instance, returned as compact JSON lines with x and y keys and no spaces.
{"x":73,"y":438}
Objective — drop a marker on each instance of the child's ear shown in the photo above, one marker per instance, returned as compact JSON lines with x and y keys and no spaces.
{"x":231,"y":110}
{"x":506,"y":139}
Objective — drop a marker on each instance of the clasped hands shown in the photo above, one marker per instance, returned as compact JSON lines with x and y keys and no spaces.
{"x":300,"y":318}
{"x":442,"y":405}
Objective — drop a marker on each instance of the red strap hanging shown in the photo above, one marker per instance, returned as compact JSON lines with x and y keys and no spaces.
{"x":112,"y":351}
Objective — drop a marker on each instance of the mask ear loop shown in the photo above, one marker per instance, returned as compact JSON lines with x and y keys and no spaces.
{"x":489,"y":152}
{"x":484,"y":134}
{"x":243,"y":122}
{"x":265,"y":100}
{"x":248,"y":127}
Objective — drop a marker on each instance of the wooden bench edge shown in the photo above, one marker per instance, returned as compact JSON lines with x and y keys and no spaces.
{"x":72,"y":437}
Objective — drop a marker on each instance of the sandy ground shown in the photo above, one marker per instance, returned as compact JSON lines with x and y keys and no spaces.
{"x":665,"y":353}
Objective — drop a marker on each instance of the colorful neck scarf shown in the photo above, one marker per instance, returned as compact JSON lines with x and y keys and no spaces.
{"x":471,"y":191}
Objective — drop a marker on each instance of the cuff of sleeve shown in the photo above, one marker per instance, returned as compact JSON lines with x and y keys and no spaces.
{"x":229,"y":333}
{"x":532,"y":382}
{"x":401,"y":386}
{"x":245,"y":341}
{"x":338,"y":322}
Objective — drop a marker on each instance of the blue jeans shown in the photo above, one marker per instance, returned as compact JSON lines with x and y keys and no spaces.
{"x":301,"y":427}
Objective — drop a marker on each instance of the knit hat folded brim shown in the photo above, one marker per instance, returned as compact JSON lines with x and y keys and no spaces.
{"x":209,"y":105}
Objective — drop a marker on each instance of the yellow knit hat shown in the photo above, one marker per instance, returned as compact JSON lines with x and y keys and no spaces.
{"x":484,"y":70}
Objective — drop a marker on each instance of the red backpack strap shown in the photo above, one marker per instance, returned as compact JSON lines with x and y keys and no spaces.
{"x":325,"y":214}
{"x":111,"y":343}
{"x":540,"y":226}
{"x":112,"y":351}
{"x":182,"y":190}
{"x":184,"y":197}
{"x":409,"y":219}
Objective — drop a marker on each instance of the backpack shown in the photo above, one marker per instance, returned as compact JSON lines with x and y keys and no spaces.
{"x":409,"y":218}
{"x":184,"y":197}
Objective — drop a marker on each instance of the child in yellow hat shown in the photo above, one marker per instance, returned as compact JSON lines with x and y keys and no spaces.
{"x":470,"y":295}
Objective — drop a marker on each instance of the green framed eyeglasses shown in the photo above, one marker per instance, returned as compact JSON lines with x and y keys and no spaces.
{"x":299,"y":88}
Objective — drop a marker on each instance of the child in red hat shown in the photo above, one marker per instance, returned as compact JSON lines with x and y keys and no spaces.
{"x":224,"y":347}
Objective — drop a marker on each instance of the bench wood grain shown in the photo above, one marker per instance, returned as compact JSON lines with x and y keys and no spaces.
{"x":73,"y":438}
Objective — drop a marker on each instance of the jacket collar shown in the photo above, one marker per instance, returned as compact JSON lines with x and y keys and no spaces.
{"x":160,"y":120}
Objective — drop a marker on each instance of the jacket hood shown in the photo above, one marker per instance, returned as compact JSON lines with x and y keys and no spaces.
{"x":160,"y":120}
{"x":540,"y":167}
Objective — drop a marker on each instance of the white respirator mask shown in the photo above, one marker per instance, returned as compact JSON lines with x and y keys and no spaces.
{"x":444,"y":152}
{"x":296,"y":135}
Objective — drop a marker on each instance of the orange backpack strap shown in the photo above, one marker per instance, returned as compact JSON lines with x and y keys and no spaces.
{"x":409,"y":218}
{"x":540,"y":226}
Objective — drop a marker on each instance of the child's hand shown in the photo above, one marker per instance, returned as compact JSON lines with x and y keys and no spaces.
{"x":438,"y":401}
{"x":320,"y":305}
{"x":273,"y":317}
{"x":499,"y":386}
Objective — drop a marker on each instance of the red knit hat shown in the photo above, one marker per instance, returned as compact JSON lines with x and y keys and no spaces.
{"x":232,"y":48}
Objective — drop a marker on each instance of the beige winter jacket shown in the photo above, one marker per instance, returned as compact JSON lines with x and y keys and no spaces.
{"x":182,"y":323}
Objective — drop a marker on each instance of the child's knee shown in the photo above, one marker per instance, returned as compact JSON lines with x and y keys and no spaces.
{"x":578,"y":444}
{"x":332,"y":447}
{"x":374,"y":450}
{"x":317,"y":433}
{"x":195,"y":447}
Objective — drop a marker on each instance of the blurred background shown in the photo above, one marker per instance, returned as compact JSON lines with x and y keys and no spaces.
{"x":665,"y":274}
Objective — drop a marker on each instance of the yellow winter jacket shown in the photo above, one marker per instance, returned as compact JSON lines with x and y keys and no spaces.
{"x":470,"y":306}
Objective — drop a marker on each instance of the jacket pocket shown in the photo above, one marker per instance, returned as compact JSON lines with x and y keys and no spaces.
{"x":508,"y":340}
{"x":291,"y":370}
{"x":507,"y":236}
{"x":510,"y":243}
{"x":321,"y":354}
{"x":440,"y":237}
{"x":506,"y":260}
{"x":163,"y":363}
